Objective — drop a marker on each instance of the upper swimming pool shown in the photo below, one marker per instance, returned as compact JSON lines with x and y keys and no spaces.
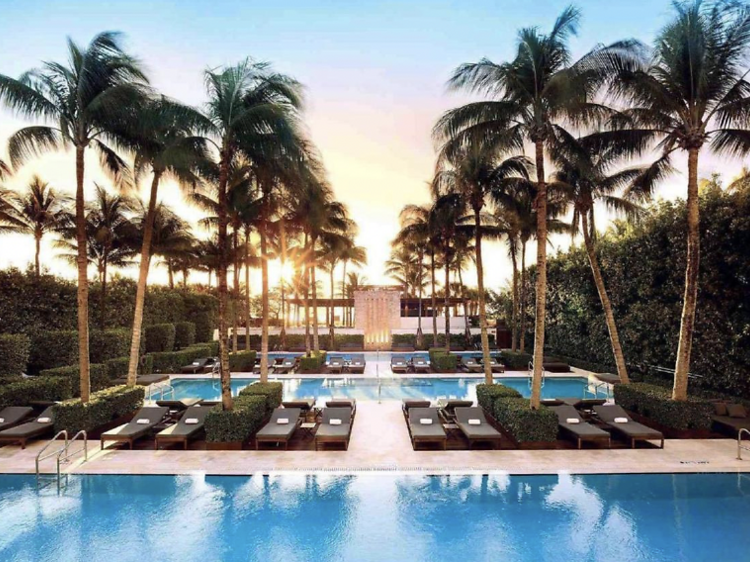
{"x":608,"y":518}
{"x":388,"y":389}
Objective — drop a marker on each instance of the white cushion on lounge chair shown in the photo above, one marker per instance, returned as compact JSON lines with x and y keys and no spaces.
{"x":282,"y":421}
{"x":191,"y":421}
{"x":335,"y":422}
{"x":572,"y":420}
{"x":2,"y":420}
{"x":196,"y":363}
{"x":621,"y":420}
{"x":475,"y":421}
{"x":44,"y":420}
{"x":425,"y":421}
{"x":143,"y":421}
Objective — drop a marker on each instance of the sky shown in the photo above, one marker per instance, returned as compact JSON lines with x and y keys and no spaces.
{"x":374,"y":76}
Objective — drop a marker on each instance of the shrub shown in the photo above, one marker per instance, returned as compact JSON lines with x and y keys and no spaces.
{"x":30,"y":389}
{"x":118,"y":367}
{"x":273,"y":391}
{"x":524,"y":424}
{"x":171,"y":361}
{"x":14,"y":353}
{"x":204,"y":326}
{"x":98,"y":373}
{"x":515,"y":360}
{"x":243,"y":420}
{"x":103,"y":407}
{"x":655,"y":402}
{"x":146,"y":365}
{"x":159,"y":338}
{"x":184,"y":334}
{"x":50,"y":349}
{"x":312,"y":364}
{"x":108,"y":344}
{"x":242,"y":361}
{"x":488,"y":393}
{"x":442,"y":361}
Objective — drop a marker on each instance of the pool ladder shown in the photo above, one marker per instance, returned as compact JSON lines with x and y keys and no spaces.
{"x":62,"y":455}
{"x":163,"y":389}
{"x":531,"y":375}
{"x":600,"y":387}
{"x":740,"y":446}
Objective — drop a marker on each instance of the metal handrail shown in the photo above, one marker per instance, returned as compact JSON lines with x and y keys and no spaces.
{"x":531,"y":374}
{"x":39,"y":456}
{"x":740,"y":446}
{"x":164,"y":388}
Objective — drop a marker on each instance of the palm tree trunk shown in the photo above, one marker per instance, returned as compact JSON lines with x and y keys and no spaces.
{"x":140,"y":293}
{"x":264,"y":304}
{"x":541,"y":277}
{"x":345,"y":308}
{"x":308,"y":344}
{"x":331,"y":334}
{"x":514,"y":297}
{"x":690,"y":299}
{"x":236,"y":291}
{"x":247,"y":290}
{"x":314,"y":289}
{"x":38,"y":249}
{"x":434,"y":301}
{"x":419,"y":340}
{"x":447,"y":303}
{"x":103,"y":296}
{"x":221,"y":275}
{"x":480,"y":297}
{"x":522,"y":299}
{"x":170,"y":273}
{"x":83,"y":281}
{"x":282,"y":335}
{"x":609,"y":316}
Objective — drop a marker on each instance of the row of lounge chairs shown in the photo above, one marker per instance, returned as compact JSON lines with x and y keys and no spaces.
{"x":613,"y":420}
{"x":335,"y":427}
{"x":355,"y":365}
{"x":430,"y":425}
{"x":18,"y":424}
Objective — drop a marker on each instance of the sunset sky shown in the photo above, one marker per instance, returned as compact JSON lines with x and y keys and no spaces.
{"x":374,"y":74}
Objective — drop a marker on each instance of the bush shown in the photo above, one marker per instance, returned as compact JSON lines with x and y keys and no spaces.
{"x":146,"y":365}
{"x":242,"y":361}
{"x":515,"y":360}
{"x":184,"y":334}
{"x":273,"y":391}
{"x":171,"y":361}
{"x":655,"y":402}
{"x":108,"y":344}
{"x":118,"y":367}
{"x":524,"y":424}
{"x":98,"y":373}
{"x":204,"y":326}
{"x":488,"y":393}
{"x":103,"y":407}
{"x":50,"y":349}
{"x":240,"y":423}
{"x":31,"y":389}
{"x":312,"y":364}
{"x":159,"y":338}
{"x":14,"y":353}
{"x":442,"y":361}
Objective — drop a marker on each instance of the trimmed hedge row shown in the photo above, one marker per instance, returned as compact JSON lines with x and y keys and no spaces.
{"x":515,"y":360}
{"x":58,"y":348}
{"x":159,"y":338}
{"x":35,"y":388}
{"x":312,"y":364}
{"x":273,"y":392}
{"x":442,"y":361}
{"x":238,"y":424}
{"x":655,"y":402}
{"x":488,"y":393}
{"x":98,"y":373}
{"x":457,"y":340}
{"x":242,"y":361}
{"x":103,"y":407}
{"x":524,"y":424}
{"x":184,"y":334}
{"x":14,"y":353}
{"x":171,"y":361}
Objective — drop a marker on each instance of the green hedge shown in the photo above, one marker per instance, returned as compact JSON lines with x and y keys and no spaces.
{"x":242,"y":361}
{"x":515,"y":360}
{"x":246,"y":417}
{"x":103,"y":407}
{"x":442,"y":361}
{"x":457,"y":340}
{"x":159,"y":338}
{"x":14,"y":353}
{"x":58,"y":348}
{"x":312,"y":364}
{"x":184,"y":334}
{"x":204,"y":326}
{"x":273,"y":391}
{"x":108,"y":344}
{"x":35,"y":388}
{"x":655,"y":402}
{"x":98,"y":374}
{"x":523,"y":423}
{"x":171,"y":361}
{"x":488,"y":393}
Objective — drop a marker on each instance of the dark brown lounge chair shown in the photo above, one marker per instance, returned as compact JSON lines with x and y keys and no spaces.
{"x":21,"y":434}
{"x":133,"y":430}
{"x":202,"y":365}
{"x":13,"y":415}
{"x":304,"y":404}
{"x":179,"y":405}
{"x":286,"y":366}
{"x":730,"y":418}
{"x":431,"y":432}
{"x":495,"y":366}
{"x":421,"y":365}
{"x":188,"y":427}
{"x":631,"y":430}
{"x":409,"y":403}
{"x":483,"y":432}
{"x":336,"y":365}
{"x":277,"y":432}
{"x":330,"y":433}
{"x":357,"y":364}
{"x":350,"y":403}
{"x":471,"y":365}
{"x":580,"y":431}
{"x":399,"y":365}
{"x":145,"y":380}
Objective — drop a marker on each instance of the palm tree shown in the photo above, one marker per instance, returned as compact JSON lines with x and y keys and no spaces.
{"x":8,"y":219}
{"x":531,"y":96}
{"x":84,"y":99}
{"x":690,"y":92}
{"x":355,"y":282}
{"x":356,"y":255}
{"x":37,"y":211}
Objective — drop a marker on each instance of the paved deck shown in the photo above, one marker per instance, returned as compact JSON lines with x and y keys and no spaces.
{"x":380,"y":442}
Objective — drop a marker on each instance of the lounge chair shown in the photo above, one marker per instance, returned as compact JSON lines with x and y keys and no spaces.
{"x":357,"y":364}
{"x":21,"y":434}
{"x":620,"y":422}
{"x":335,"y":365}
{"x":730,"y":418}
{"x":448,"y":407}
{"x":14,"y":415}
{"x":475,"y":427}
{"x":336,"y":427}
{"x":145,"y":380}
{"x":408,"y":403}
{"x":471,"y":364}
{"x":495,"y":366}
{"x":556,"y":367}
{"x":571,"y":423}
{"x":280,"y":428}
{"x":350,"y":403}
{"x":187,"y":427}
{"x":421,"y":365}
{"x":142,"y":425}
{"x":179,"y":405}
{"x":286,"y":366}
{"x":304,"y":404}
{"x":399,"y":364}
{"x":203,"y":365}
{"x":425,"y":426}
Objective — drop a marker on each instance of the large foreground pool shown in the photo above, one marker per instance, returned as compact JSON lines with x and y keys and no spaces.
{"x":390,"y":389}
{"x":377,"y":517}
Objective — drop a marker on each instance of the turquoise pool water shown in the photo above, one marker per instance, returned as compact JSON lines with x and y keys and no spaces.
{"x":388,"y":389}
{"x":633,"y":518}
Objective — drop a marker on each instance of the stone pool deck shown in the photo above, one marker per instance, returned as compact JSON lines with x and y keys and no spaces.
{"x":380,"y":442}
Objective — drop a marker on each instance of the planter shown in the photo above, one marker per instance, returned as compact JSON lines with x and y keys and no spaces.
{"x":224,"y":445}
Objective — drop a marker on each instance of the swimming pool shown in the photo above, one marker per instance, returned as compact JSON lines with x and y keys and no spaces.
{"x":388,"y":389}
{"x":384,"y":517}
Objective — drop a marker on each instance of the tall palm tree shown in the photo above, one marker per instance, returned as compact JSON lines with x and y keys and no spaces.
{"x":356,"y":255}
{"x":8,"y":219}
{"x":531,"y":96}
{"x":689,"y":93}
{"x":37,"y":211}
{"x":84,"y":99}
{"x":355,"y":281}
